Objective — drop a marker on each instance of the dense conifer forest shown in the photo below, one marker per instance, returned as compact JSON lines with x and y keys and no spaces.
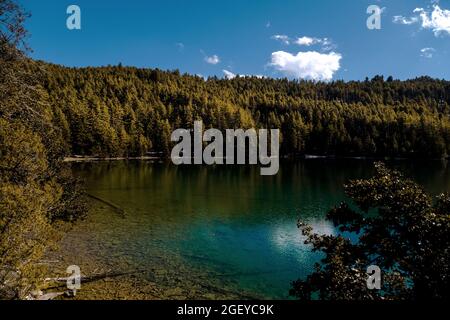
{"x":125,"y":111}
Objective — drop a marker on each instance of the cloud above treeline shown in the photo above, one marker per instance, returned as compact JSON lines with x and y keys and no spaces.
{"x":325,"y":43}
{"x":228,"y":74}
{"x":427,"y":52}
{"x":214,"y":59}
{"x":309,"y":65}
{"x":282,"y":38}
{"x":435,"y":19}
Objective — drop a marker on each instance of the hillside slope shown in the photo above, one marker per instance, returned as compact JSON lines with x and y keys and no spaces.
{"x":125,"y":111}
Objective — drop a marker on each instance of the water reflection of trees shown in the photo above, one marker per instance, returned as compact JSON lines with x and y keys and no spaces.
{"x":308,"y":187}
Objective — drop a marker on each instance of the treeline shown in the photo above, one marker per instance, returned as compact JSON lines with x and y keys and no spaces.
{"x":125,"y":111}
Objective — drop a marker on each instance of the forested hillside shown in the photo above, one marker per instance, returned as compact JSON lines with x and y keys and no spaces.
{"x":124,"y":111}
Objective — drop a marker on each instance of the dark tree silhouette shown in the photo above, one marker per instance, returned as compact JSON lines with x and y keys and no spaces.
{"x":399,"y":229}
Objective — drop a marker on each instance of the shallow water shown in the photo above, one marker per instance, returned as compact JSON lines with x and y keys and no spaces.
{"x":211,"y":232}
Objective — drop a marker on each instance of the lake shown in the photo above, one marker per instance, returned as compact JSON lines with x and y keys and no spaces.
{"x":217,"y":232}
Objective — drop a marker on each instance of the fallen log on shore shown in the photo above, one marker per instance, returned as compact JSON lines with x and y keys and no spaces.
{"x":108,"y":203}
{"x":91,"y":278}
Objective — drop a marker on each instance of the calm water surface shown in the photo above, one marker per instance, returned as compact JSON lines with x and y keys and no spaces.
{"x":224,"y":225}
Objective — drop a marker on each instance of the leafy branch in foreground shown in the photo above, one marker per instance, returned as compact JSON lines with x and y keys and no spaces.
{"x":397,"y":227}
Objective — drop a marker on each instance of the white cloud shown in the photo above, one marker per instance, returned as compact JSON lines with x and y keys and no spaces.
{"x":437,"y":20}
{"x":228,"y":74}
{"x":307,"y":65}
{"x":327,"y":44}
{"x":427,"y":52}
{"x":306,"y":41}
{"x":281,"y":37}
{"x":405,"y":20}
{"x":213,"y":59}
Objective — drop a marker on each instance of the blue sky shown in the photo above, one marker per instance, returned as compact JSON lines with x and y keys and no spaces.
{"x":320,"y":39}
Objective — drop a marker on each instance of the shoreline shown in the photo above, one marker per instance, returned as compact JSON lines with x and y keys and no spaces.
{"x":94,"y":159}
{"x":302,"y":157}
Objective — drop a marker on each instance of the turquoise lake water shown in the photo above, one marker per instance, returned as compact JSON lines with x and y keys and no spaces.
{"x":226,"y":224}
